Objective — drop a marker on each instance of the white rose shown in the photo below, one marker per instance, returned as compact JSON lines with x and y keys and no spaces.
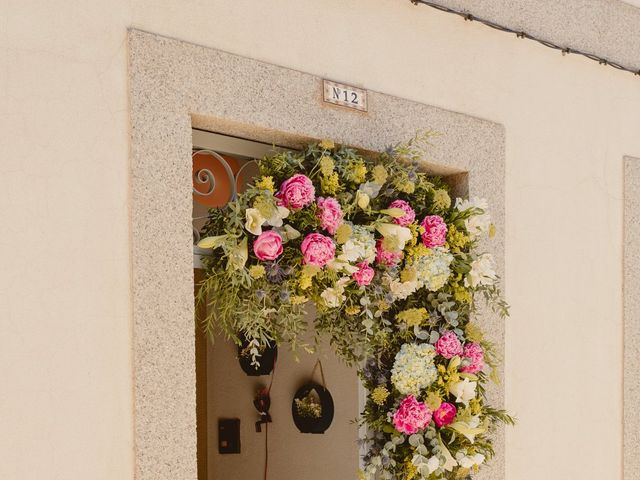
{"x":469,"y":461}
{"x":254,"y":221}
{"x":463,"y":390}
{"x":334,"y":296}
{"x":476,"y":224}
{"x":352,"y":250}
{"x":482,"y":272}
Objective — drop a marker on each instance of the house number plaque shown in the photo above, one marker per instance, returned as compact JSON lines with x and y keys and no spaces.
{"x":345,"y":95}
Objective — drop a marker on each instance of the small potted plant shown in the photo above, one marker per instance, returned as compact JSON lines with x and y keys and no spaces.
{"x":260,"y":364}
{"x":312,"y":408}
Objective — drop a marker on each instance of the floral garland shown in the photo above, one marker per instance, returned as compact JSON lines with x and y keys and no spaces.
{"x":392,"y":267}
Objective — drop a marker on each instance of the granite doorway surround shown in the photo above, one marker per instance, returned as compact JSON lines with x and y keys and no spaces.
{"x":175,"y":86}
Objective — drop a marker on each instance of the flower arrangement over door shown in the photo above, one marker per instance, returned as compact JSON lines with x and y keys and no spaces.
{"x":393,"y":267}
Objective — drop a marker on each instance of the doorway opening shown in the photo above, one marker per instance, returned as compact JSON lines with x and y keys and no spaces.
{"x":223,"y":166}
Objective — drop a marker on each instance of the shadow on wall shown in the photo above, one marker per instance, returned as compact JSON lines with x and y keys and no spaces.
{"x":292,"y":455}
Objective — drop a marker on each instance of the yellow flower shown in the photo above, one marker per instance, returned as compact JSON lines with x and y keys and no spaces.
{"x":266,"y":183}
{"x":433,"y":401}
{"x":415,"y":233}
{"x":441,"y":199}
{"x":356,"y":171}
{"x":475,"y":406}
{"x":266,"y":205}
{"x":326,"y":165}
{"x":418,"y":251}
{"x":412,"y":470}
{"x":330,"y":184}
{"x":457,"y":239}
{"x":461,"y":294}
{"x":473,"y":333}
{"x":327,"y":144}
{"x":380,"y":174}
{"x":492,"y":230}
{"x":413,"y":316}
{"x":380,"y":395}
{"x":384,"y":306}
{"x":298,"y":299}
{"x":463,"y":472}
{"x":408,"y":274}
{"x":304,"y":282}
{"x":407,"y":187}
{"x":257,"y":271}
{"x":352,"y":310}
{"x":343,"y":233}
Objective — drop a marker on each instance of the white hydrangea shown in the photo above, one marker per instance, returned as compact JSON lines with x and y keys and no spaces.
{"x":360,"y":246}
{"x":483,"y":272}
{"x":433,"y":270}
{"x":401,"y":290}
{"x":414,"y":369}
{"x":476,"y":224}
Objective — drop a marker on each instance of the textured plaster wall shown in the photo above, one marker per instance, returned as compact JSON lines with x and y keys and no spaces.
{"x":65,"y":404}
{"x":631,"y":315}
{"x":607,"y":28}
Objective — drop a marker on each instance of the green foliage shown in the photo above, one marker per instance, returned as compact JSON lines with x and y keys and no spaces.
{"x":265,"y":300}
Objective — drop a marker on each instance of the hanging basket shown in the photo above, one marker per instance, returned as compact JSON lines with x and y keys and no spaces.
{"x":267,"y":360}
{"x":305,"y":423}
{"x":312,"y":406}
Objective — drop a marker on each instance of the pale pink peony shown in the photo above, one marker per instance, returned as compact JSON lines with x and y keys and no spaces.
{"x":409,"y":215}
{"x":445,"y":414}
{"x":386,"y":257}
{"x":435,"y":231}
{"x":448,"y":345}
{"x":268,"y":245}
{"x":330,"y":214}
{"x":475,"y":353}
{"x":296,"y":192}
{"x":364,"y":275}
{"x":317,"y":249}
{"x":411,"y":416}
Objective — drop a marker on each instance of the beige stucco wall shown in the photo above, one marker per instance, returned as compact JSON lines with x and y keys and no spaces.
{"x":65,"y":360}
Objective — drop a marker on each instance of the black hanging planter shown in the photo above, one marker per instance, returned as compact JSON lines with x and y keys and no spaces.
{"x":308,"y":424}
{"x":267,"y":360}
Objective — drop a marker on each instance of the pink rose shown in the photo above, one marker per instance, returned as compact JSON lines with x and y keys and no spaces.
{"x":317,"y":249}
{"x":448,"y":345}
{"x":411,"y":416}
{"x":330,"y":214}
{"x":435,"y":231}
{"x":268,"y":245}
{"x":364,"y":275}
{"x":445,"y":414}
{"x":386,"y":257}
{"x":296,"y":192}
{"x":409,"y":215}
{"x":475,"y":353}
